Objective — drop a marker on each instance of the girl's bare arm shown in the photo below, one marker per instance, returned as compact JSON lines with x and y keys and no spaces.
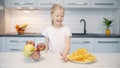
{"x":46,"y":44}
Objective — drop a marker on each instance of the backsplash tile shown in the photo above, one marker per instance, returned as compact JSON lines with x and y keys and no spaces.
{"x":38,"y":20}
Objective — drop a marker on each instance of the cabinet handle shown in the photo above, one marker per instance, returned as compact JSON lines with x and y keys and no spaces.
{"x":15,"y":50}
{"x":23,"y":3}
{"x":77,"y":3}
{"x":82,"y":42}
{"x":108,"y":41}
{"x":104,"y":3}
{"x":16,"y":41}
{"x":47,"y":3}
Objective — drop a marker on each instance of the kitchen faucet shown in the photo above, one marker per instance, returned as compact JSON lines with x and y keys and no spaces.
{"x":84,"y":25}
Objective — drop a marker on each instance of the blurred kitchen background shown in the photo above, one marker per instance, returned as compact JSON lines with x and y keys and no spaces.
{"x":36,"y":13}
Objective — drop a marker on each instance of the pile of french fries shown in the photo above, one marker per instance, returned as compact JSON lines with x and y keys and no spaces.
{"x":81,"y":55}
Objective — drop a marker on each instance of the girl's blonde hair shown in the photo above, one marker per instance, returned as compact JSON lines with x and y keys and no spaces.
{"x":56,"y":7}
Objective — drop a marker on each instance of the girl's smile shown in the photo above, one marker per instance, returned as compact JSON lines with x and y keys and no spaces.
{"x":58,"y":17}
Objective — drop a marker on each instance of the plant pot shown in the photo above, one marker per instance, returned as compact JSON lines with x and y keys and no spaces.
{"x":108,"y":32}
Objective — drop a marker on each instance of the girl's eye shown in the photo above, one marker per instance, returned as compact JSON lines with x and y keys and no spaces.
{"x":57,"y":16}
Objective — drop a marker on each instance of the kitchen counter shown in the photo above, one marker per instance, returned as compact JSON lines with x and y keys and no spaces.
{"x":74,"y":35}
{"x":53,"y":60}
{"x":91,"y":35}
{"x":23,"y":35}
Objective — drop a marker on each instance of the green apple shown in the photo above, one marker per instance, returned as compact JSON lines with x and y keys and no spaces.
{"x":28,"y":50}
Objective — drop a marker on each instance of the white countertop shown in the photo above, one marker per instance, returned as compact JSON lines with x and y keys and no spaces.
{"x":53,"y":60}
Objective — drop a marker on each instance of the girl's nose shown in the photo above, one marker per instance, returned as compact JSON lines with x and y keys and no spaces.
{"x":60,"y":17}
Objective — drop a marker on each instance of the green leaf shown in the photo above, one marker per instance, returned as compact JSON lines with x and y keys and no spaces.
{"x":107,"y":22}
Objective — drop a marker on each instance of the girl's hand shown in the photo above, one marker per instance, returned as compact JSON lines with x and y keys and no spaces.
{"x":64,"y":56}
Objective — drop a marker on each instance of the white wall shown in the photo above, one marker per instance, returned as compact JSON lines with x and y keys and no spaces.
{"x":93,"y":19}
{"x":116,"y":27}
{"x":38,"y":20}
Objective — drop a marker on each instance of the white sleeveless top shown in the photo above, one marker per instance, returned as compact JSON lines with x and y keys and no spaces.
{"x":56,"y":37}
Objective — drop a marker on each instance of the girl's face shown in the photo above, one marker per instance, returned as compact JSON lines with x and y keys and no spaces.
{"x":57,"y":17}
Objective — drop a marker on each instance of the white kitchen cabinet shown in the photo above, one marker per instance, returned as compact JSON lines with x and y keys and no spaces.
{"x":81,"y":43}
{"x":77,"y":3}
{"x":8,"y":3}
{"x":106,"y":45}
{"x":48,"y":3}
{"x":103,"y":3}
{"x":2,"y":2}
{"x":24,"y":3}
{"x":39,"y":40}
{"x":118,"y":4}
{"x":2,"y":44}
{"x":16,"y":44}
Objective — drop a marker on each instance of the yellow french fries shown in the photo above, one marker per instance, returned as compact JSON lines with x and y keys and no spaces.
{"x":81,"y":55}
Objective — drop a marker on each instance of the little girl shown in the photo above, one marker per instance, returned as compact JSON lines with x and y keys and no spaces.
{"x":57,"y":36}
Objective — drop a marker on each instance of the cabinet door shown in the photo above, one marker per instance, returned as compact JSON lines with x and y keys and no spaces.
{"x":81,"y":43}
{"x":2,"y":44}
{"x":118,"y":4}
{"x":104,"y":3}
{"x":16,"y":44}
{"x":2,"y":2}
{"x":24,"y":3}
{"x":77,"y":3}
{"x":1,"y":5}
{"x":8,"y":3}
{"x":107,"y":45}
{"x":48,"y":3}
{"x":39,"y":40}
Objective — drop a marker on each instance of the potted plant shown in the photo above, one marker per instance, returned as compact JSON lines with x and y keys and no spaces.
{"x":108,"y":25}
